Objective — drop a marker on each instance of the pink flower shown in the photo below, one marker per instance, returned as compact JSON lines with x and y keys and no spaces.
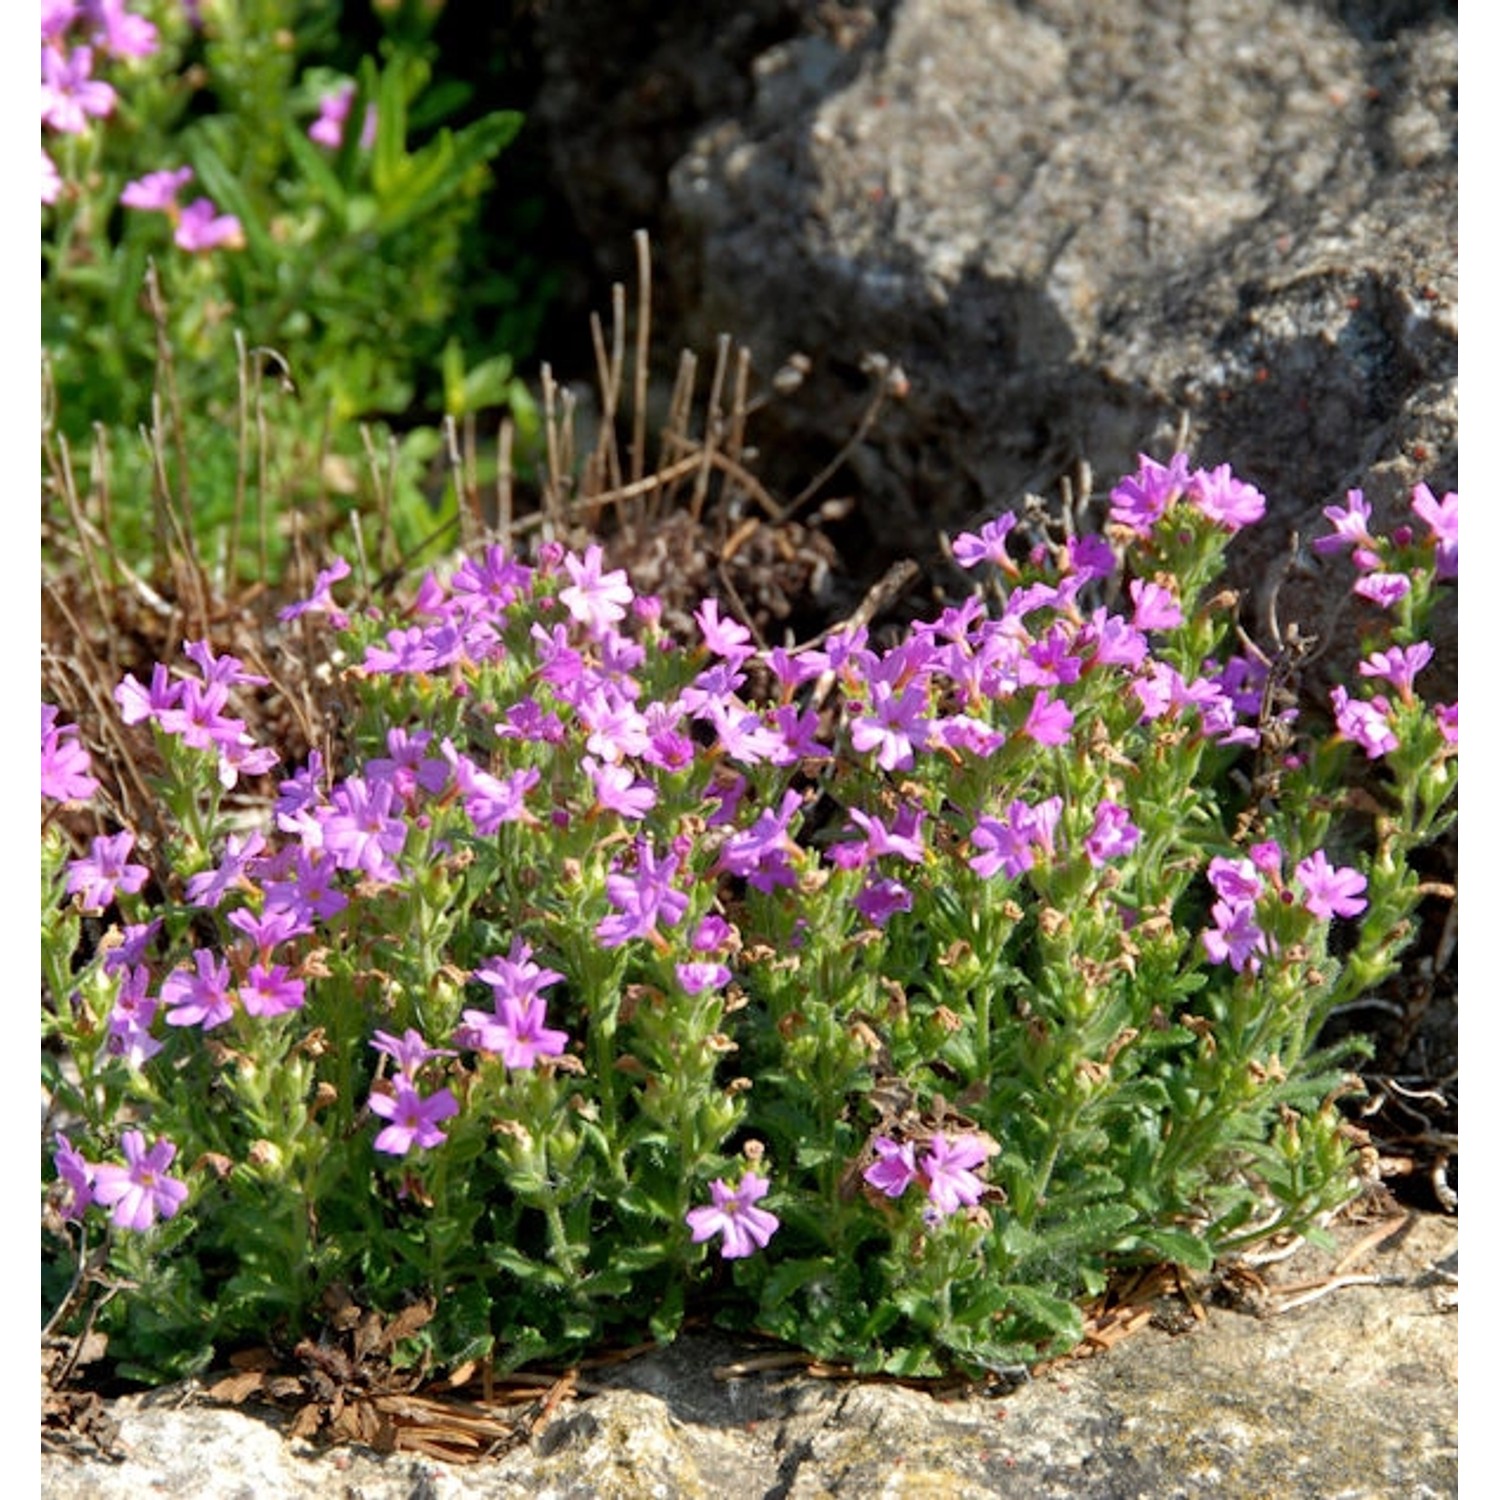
{"x":66,"y":764}
{"x":413,"y":1119}
{"x":1223,"y":498}
{"x":1330,"y":892}
{"x":948,"y":1167}
{"x":1366,"y":723}
{"x":98,"y":874}
{"x":52,"y":183}
{"x":970,"y":550}
{"x":121,"y":33}
{"x":896,"y":1168}
{"x":202,"y":227}
{"x":1383,"y":589}
{"x":1113,"y":834}
{"x":140,"y":1191}
{"x":1156,"y":608}
{"x":333,"y":114}
{"x":516,"y":1032}
{"x":1441,"y":517}
{"x":156,"y":192}
{"x":77,"y":1177}
{"x":70,"y":94}
{"x":1351,"y":526}
{"x":595,"y":598}
{"x":1049,"y":721}
{"x":202,"y":999}
{"x":733,"y":1214}
{"x":1142,"y":499}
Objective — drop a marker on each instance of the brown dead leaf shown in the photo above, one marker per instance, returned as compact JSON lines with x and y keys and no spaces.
{"x":235,"y":1389}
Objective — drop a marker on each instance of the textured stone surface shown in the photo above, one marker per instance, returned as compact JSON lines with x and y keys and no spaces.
{"x":1354,"y":1395}
{"x":1077,"y":225}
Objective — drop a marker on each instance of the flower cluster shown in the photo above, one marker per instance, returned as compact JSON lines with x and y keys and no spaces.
{"x":136,"y":1194}
{"x":487,"y":965}
{"x":945,"y":1171}
{"x":75,"y":33}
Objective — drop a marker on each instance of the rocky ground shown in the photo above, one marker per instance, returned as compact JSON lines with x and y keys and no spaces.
{"x":1327,"y":1374}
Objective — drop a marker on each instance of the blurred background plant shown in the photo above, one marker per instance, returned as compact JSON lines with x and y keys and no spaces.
{"x":271,"y":202}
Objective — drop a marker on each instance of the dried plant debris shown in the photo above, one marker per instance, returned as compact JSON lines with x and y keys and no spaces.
{"x":350,"y":1385}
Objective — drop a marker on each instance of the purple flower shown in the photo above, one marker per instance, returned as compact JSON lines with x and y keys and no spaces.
{"x":104,"y":869}
{"x":1447,"y":721}
{"x":760,"y":853}
{"x":119,"y":32}
{"x":138,"y":703}
{"x":267,"y":991}
{"x":410,"y":1050}
{"x":65,"y":763}
{"x":1001,"y":847}
{"x":413,"y":1119}
{"x":1398,"y":666}
{"x":57,"y":16}
{"x":948,"y":1167}
{"x":896,"y":1168}
{"x":70,"y":93}
{"x":1330,"y":892}
{"x":140,"y":1192}
{"x":903,"y":839}
{"x":156,"y":192}
{"x":52,"y":183}
{"x":359,"y":830}
{"x":76,"y":1175}
{"x":333,"y":114}
{"x":1223,"y":498}
{"x":879,"y":899}
{"x":310,"y":892}
{"x":320,"y":601}
{"x":969,"y":551}
{"x":641,"y":898}
{"x":202,"y":997}
{"x":1236,"y":881}
{"x":726,"y":638}
{"x":1156,"y":608}
{"x":276,"y":925}
{"x":134,"y":940}
{"x":1113,"y":834}
{"x":1141,"y":500}
{"x":733,"y":1214}
{"x":894,"y":728}
{"x":595,"y":599}
{"x":1351,"y":526}
{"x":209,"y":887}
{"x":1364,"y":722}
{"x":1383,"y":589}
{"x":1090,"y":557}
{"x":1441,"y":517}
{"x":619,"y":790}
{"x":516,"y":1031}
{"x":128,"y":1033}
{"x":516,"y":974}
{"x":698,"y":976}
{"x":488,"y":800}
{"x":202,"y":227}
{"x":1049,"y":721}
{"x":1235,"y":937}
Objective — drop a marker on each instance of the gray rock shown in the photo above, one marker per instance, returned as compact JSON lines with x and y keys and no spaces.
{"x":1076,"y":226}
{"x":1353,"y":1394}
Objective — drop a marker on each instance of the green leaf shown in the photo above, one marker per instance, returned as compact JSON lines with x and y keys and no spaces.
{"x":314,"y":166}
{"x":1175,"y":1245}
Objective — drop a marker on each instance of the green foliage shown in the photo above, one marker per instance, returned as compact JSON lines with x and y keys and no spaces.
{"x":341,"y":289}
